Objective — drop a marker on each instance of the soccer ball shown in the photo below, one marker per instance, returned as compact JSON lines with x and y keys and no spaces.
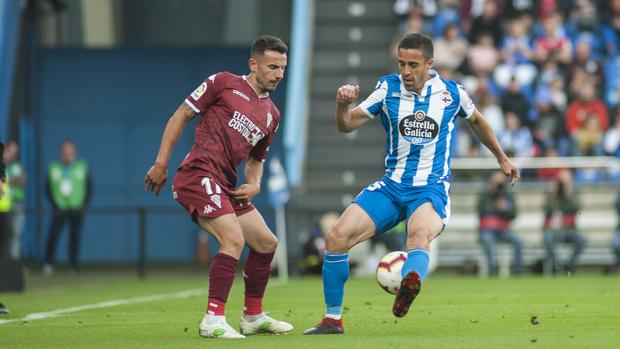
{"x":389,"y":271}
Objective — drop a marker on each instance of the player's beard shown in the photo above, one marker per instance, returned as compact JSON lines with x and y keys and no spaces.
{"x":269,"y":85}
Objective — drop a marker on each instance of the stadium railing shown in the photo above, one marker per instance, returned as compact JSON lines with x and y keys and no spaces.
{"x":141,"y":212}
{"x":597,"y":219}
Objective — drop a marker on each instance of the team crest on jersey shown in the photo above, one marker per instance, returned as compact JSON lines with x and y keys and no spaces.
{"x":217,"y":200}
{"x":269,"y":119}
{"x":446,"y":98}
{"x":199,"y":91}
{"x":418,"y":128}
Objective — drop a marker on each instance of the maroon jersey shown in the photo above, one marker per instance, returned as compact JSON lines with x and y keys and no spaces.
{"x":235,"y":123}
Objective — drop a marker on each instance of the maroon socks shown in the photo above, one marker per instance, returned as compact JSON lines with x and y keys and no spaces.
{"x":256,"y":275}
{"x":221,"y":278}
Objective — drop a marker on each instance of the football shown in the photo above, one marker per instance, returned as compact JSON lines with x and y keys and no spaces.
{"x":389,"y":269}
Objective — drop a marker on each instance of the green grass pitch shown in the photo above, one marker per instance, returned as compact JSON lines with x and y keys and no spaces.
{"x":582,"y":311}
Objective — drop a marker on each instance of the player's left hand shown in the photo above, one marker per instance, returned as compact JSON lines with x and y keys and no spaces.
{"x":510,"y":170}
{"x":246,"y":192}
{"x":156,"y":178}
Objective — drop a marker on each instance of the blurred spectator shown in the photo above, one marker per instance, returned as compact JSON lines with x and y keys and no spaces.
{"x":549,"y":174}
{"x":492,"y":111}
{"x":549,"y":72}
{"x":448,"y":14}
{"x":588,"y":138}
{"x":425,"y":9}
{"x":497,"y":209}
{"x":587,"y":104}
{"x":16,"y":179}
{"x":516,"y":57}
{"x":516,"y":138}
{"x":553,"y":44}
{"x":546,"y":8}
{"x":608,"y":9}
{"x":482,"y":56}
{"x":487,"y":23}
{"x":514,"y":101}
{"x":69,"y":189}
{"x":583,"y":15}
{"x":548,"y":130}
{"x":3,"y":186}
{"x":450,"y":49}
{"x":584,"y":69}
{"x":413,"y":24}
{"x":611,"y":36}
{"x":558,"y":96}
{"x":5,"y":209}
{"x":561,"y":208}
{"x":516,"y":8}
{"x":612,"y":80}
{"x":611,"y":141}
{"x":312,"y":262}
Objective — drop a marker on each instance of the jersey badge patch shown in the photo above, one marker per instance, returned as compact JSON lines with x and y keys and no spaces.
{"x":217,"y":200}
{"x":446,"y":98}
{"x":199,"y":91}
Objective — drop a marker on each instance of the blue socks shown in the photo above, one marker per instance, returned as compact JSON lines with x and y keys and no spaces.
{"x":335,"y":274}
{"x":417,"y":259}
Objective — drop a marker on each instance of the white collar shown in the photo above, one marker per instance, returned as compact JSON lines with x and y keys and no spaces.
{"x":434,"y":77}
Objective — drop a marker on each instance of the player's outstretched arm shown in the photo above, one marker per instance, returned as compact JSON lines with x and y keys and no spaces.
{"x":349,"y":120}
{"x":485,"y":134}
{"x":158,"y":173}
{"x":253,"y":173}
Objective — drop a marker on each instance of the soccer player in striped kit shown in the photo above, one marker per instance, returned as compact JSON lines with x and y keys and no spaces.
{"x":238,"y":121}
{"x":418,"y":110}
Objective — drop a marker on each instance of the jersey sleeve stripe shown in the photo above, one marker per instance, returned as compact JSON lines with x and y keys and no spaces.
{"x":367,"y":112}
{"x":191,"y":105}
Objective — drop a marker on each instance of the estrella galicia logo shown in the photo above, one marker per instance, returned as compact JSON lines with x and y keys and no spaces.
{"x":418,"y":128}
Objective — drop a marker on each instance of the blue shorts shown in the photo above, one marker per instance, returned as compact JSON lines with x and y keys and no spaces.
{"x":388,"y":203}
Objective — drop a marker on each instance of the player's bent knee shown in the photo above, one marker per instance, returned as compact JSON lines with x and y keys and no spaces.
{"x":233,"y":243}
{"x":337,"y":240}
{"x":268,"y":245}
{"x":420,"y":238}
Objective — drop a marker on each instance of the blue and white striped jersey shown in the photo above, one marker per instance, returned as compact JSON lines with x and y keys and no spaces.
{"x":420,"y":128}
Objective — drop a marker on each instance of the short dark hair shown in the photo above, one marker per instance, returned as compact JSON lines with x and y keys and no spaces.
{"x":268,"y":43}
{"x":417,"y":41}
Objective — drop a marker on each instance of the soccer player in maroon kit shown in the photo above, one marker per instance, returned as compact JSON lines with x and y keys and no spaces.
{"x":238,"y":122}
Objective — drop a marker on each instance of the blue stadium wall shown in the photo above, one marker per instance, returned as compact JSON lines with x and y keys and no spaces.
{"x":114,"y":105}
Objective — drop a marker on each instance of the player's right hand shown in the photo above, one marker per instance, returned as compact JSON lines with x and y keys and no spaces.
{"x":156,"y":178}
{"x":347,"y":94}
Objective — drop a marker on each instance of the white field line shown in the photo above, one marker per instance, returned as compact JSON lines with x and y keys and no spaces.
{"x":107,"y":304}
{"x":117,"y":302}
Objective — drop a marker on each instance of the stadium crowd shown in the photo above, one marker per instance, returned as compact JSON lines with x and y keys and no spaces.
{"x":543,"y":72}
